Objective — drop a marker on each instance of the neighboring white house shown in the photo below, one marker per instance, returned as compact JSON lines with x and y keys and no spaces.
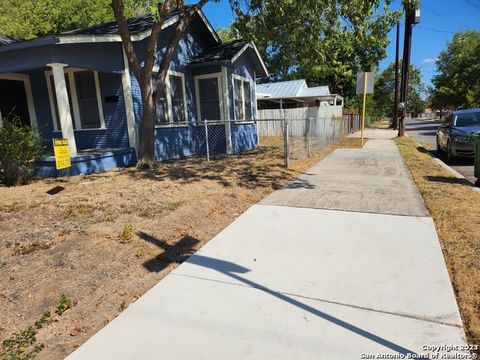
{"x":294,"y":94}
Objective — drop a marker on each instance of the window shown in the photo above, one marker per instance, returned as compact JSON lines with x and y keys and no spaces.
{"x":238,"y":95}
{"x":177,"y":98}
{"x":209,"y":98}
{"x":87,"y":100}
{"x":469,"y":119}
{"x":84,"y":98}
{"x":248,"y":100}
{"x":242,"y":95}
{"x":171,"y":108}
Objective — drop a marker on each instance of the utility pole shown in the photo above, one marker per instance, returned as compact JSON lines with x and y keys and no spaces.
{"x":412,"y":17}
{"x":395,"y":101}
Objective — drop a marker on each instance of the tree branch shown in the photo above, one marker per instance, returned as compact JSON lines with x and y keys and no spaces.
{"x":119,"y":13}
{"x":164,"y":10}
{"x":186,"y":15}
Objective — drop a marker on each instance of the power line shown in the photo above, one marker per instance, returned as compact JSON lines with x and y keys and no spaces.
{"x":441,"y":15}
{"x":475,"y":5}
{"x":436,"y":30}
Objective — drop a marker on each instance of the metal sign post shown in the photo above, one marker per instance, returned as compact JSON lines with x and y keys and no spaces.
{"x":364,"y":86}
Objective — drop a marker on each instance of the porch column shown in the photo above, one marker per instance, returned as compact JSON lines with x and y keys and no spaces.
{"x":63,"y":106}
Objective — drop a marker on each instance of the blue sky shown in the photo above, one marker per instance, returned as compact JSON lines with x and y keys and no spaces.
{"x":440,"y":19}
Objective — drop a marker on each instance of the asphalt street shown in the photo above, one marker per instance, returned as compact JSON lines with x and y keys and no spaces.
{"x":425,"y":131}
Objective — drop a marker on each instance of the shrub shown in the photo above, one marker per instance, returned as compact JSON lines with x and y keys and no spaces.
{"x":20,"y":147}
{"x":126,"y":234}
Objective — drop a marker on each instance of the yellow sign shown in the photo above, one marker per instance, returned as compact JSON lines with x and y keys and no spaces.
{"x":62,"y":154}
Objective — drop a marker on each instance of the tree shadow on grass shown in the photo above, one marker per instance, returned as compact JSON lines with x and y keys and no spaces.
{"x":250,"y":170}
{"x":447,"y":180}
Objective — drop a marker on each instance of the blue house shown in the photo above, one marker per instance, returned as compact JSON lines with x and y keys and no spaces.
{"x":77,"y":85}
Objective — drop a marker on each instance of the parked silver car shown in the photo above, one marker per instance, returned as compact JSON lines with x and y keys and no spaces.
{"x":453,"y":136}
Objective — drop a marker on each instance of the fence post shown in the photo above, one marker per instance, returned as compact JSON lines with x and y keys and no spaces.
{"x":309,"y":127}
{"x":285,"y":142}
{"x":206,"y":140}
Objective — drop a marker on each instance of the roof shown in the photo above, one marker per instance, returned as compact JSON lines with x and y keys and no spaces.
{"x":229,"y":52}
{"x":222,"y":52}
{"x":282,"y":89}
{"x":139,"y":28}
{"x":291,"y":89}
{"x":314,"y":91}
{"x":7,"y":40}
{"x":136,"y":25}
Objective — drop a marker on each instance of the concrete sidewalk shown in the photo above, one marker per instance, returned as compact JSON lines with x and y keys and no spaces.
{"x":293,"y":279}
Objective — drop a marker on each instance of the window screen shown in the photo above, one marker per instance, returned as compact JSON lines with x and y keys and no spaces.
{"x":247,"y":93}
{"x":209,"y":100}
{"x":87,"y":99}
{"x":238,"y":101}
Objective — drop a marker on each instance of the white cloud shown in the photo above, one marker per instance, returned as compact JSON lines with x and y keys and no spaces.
{"x":429,"y":61}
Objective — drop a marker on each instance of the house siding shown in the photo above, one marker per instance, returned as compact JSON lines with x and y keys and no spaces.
{"x":244,"y":136}
{"x":114,"y":135}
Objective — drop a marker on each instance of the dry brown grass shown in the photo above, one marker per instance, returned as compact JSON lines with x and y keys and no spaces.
{"x":456,"y":211}
{"x":104,"y":239}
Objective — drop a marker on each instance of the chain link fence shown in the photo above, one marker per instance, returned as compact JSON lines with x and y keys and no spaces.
{"x":294,"y":139}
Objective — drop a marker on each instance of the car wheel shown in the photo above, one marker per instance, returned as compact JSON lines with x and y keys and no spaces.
{"x":450,"y":155}
{"x":439,"y":148}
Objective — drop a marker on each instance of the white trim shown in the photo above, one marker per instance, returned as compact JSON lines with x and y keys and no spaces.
{"x":243,"y":80}
{"x":76,"y":107}
{"x":99,"y":99}
{"x":226,"y":111}
{"x":242,"y":50}
{"x":168,"y":98}
{"x":74,"y":97}
{"x":209,"y":26}
{"x":28,"y":94}
{"x":128,"y":102}
{"x":218,"y":76}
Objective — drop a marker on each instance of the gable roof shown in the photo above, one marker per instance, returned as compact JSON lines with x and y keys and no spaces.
{"x":221,"y":52}
{"x":139,"y":28}
{"x":229,"y":52}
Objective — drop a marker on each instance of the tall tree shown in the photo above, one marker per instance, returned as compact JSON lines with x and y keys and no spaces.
{"x":153,"y":91}
{"x":458,"y":82}
{"x":28,"y":19}
{"x":385,"y":87}
{"x":325,"y":42}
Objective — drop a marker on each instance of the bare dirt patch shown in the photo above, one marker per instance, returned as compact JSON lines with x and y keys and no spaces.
{"x":103,"y":240}
{"x":456,"y":211}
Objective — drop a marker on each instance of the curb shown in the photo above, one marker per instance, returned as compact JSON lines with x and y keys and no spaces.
{"x":455,"y":173}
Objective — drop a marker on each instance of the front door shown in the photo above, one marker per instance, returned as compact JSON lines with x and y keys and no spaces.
{"x":13,"y":100}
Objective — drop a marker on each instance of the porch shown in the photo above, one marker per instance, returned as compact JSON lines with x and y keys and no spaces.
{"x":78,"y":92}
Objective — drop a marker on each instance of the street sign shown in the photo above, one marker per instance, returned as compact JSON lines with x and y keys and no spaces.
{"x":361,"y":81}
{"x":62,"y":154}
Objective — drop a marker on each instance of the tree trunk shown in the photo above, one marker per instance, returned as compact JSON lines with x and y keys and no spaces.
{"x":146,"y":151}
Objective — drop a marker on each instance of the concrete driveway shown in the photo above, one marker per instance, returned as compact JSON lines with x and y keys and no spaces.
{"x":293,"y":279}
